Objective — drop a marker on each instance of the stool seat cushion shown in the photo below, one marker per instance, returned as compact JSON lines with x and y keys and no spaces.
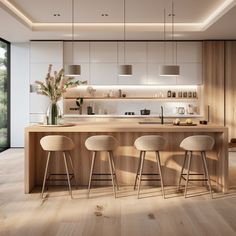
{"x":150,"y":143}
{"x":198,"y":143}
{"x":56,"y":143}
{"x":101,"y":143}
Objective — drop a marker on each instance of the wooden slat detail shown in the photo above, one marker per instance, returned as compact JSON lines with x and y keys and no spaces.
{"x":213,"y":77}
{"x":230,"y":87}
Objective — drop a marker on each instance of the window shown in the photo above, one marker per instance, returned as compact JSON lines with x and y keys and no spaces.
{"x":4,"y":94}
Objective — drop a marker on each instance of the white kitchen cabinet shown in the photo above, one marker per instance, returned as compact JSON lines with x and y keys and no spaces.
{"x":80,"y":55}
{"x":154,"y":78}
{"x":134,"y":52}
{"x":103,"y":52}
{"x":139,"y":76}
{"x":155,"y":52}
{"x":189,"y":52}
{"x":190,"y":74}
{"x":50,"y":52}
{"x":41,"y":55}
{"x":103,"y":73}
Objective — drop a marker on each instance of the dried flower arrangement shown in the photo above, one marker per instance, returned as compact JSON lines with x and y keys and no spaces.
{"x":55,"y":86}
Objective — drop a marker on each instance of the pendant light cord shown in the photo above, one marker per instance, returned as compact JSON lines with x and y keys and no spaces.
{"x":73,"y":30}
{"x":124,"y":30}
{"x":172,"y":20}
{"x":164,"y":36}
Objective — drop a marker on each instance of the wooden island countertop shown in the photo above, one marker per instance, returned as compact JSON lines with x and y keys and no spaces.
{"x":126,"y":156}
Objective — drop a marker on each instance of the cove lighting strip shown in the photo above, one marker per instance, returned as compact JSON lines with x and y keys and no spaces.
{"x":213,"y":17}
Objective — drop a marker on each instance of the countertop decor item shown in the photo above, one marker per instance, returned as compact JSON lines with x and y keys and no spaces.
{"x":145,"y":112}
{"x":54,"y":87}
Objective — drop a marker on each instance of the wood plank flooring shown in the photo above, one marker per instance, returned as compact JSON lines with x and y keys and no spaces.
{"x":60,"y":215}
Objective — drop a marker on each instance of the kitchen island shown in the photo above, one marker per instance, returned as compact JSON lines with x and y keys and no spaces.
{"x":126,"y":156}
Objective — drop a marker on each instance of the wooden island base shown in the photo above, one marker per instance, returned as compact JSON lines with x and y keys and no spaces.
{"x":126,"y":156}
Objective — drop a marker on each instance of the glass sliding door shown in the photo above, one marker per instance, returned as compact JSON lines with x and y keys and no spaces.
{"x":4,"y":95}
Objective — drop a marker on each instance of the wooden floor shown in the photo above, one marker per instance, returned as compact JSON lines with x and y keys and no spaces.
{"x":24,"y":215}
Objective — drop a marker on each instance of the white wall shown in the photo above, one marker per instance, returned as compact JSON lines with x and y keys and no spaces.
{"x":19,"y":92}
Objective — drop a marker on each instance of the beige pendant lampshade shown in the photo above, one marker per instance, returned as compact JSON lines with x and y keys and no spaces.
{"x":169,"y":70}
{"x":125,"y":70}
{"x":73,"y":70}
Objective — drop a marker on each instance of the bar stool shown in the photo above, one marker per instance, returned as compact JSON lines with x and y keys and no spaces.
{"x":196,"y":143}
{"x":149,"y":143}
{"x":58,"y":143}
{"x":102,"y":143}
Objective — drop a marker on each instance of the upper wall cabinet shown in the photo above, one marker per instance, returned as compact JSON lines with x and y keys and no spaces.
{"x":134,"y":52}
{"x":103,"y":52}
{"x":189,"y":52}
{"x":41,"y":52}
{"x":80,"y":55}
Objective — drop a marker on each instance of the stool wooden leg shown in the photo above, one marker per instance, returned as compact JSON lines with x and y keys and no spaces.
{"x":140,"y":172}
{"x":189,"y":165}
{"x":137,"y":173}
{"x":160,"y":173}
{"x":91,"y":171}
{"x":112,"y":176}
{"x":45,"y":174}
{"x":204,"y":168}
{"x":182,"y":170}
{"x":72,"y":167}
{"x":67,"y":173}
{"x":207,"y":173}
{"x":114,"y":170}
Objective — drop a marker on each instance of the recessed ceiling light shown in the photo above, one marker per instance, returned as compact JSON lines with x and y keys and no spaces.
{"x":56,"y":14}
{"x":104,"y":14}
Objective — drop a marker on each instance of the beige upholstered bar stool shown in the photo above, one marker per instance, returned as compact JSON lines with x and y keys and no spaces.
{"x":102,"y":143}
{"x":58,"y":143}
{"x":196,"y":143}
{"x":149,"y":143}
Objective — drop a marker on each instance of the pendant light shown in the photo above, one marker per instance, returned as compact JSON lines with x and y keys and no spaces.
{"x":73,"y":70}
{"x":173,"y":69}
{"x":125,"y":70}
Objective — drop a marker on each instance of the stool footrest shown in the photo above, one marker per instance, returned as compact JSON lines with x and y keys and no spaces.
{"x":71,"y":176}
{"x":148,"y":174}
{"x":101,"y":179}
{"x":150,"y":179}
{"x":102,"y":174}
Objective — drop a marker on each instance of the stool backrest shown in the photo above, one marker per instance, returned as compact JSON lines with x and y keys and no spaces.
{"x":198,"y":143}
{"x":101,"y":143}
{"x":150,"y":143}
{"x":56,"y":143}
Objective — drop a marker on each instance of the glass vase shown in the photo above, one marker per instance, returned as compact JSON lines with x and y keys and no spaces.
{"x":53,"y":114}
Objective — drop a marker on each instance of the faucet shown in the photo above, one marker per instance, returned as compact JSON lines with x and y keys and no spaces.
{"x":162,"y":116}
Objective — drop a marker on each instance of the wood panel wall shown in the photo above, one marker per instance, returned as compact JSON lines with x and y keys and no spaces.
{"x":214,"y":81}
{"x":230,"y":87}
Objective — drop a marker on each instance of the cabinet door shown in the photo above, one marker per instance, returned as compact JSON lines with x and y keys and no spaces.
{"x":155,"y":78}
{"x":80,"y":53}
{"x":189,"y":52}
{"x":103,"y":52}
{"x":134,"y":52}
{"x":103,"y":73}
{"x":41,"y":55}
{"x":213,"y":76}
{"x":190,"y":74}
{"x":139,"y":76}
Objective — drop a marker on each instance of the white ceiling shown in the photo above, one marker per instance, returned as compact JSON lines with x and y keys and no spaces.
{"x":23,"y":20}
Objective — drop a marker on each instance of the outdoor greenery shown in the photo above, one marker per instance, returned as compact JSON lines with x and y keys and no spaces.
{"x":3,"y":95}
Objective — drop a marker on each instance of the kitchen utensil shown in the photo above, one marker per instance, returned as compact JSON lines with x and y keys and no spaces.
{"x":145,"y":112}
